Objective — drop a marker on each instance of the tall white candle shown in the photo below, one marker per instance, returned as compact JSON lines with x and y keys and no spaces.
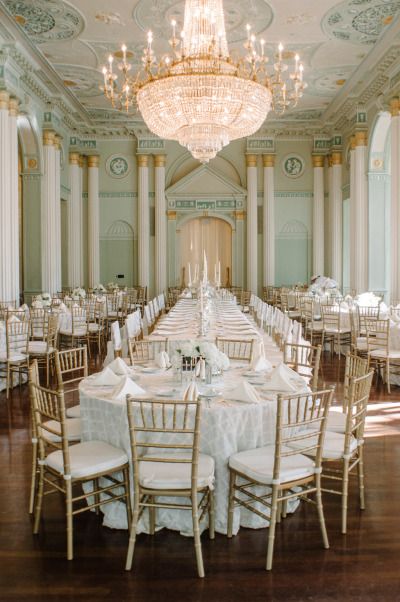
{"x":190,"y":274}
{"x":219,"y":273}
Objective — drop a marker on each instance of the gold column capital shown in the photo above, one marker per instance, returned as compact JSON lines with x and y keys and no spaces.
{"x":239,"y":215}
{"x":4,"y":99}
{"x":57,"y":141}
{"x":395,"y":106}
{"x":74,"y":158}
{"x":159,"y":160}
{"x":49,"y":138}
{"x":336,"y":158}
{"x":93,"y":161}
{"x":361,"y":138}
{"x":82,"y":160}
{"x":329,"y":157}
{"x":13,"y":107}
{"x":269,"y":160}
{"x":171,"y":215}
{"x":318,"y":160}
{"x":352,"y":142}
{"x":143,"y":160}
{"x":251,"y":160}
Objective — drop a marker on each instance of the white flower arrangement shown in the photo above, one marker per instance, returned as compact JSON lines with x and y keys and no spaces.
{"x":215,"y":358}
{"x":78,"y":293}
{"x":368,"y":300}
{"x":112,"y":286}
{"x":99,"y":288}
{"x":43,"y":300}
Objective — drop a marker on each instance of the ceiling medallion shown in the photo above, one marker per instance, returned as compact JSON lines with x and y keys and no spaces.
{"x":199,"y":95}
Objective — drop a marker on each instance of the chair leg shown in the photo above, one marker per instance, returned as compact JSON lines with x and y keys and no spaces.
{"x":96,"y":496}
{"x":128,"y":497}
{"x":8,"y":381}
{"x":152,"y":517}
{"x":360,"y":469}
{"x":321,"y":512}
{"x":69,"y":517}
{"x":132,"y":534}
{"x":231,"y":506}
{"x":388,"y":376}
{"x":33,"y":478}
{"x":272,"y":524}
{"x":39,"y":500}
{"x":211,"y":514}
{"x":196,"y":533}
{"x":345,"y":494}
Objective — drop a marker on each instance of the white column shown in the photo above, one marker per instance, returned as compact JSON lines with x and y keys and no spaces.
{"x":93,"y":221}
{"x":160,"y":226}
{"x":359,"y":227}
{"x":49,"y":214}
{"x":143,"y":221}
{"x":74,"y":223}
{"x":269,"y":221}
{"x":14,"y":199}
{"x":336,"y":213}
{"x":353,"y":212}
{"x":251,"y":161}
{"x":395,"y":202}
{"x":318,"y":216}
{"x":6,"y":289}
{"x":57,"y":224}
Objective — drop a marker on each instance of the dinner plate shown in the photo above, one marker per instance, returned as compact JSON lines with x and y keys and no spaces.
{"x":167,"y":392}
{"x":209,"y":393}
{"x":150,"y":370}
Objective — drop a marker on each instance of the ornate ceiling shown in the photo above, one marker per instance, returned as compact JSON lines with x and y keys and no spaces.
{"x":334,"y":40}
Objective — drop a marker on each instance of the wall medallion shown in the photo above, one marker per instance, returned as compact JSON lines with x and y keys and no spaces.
{"x":117,"y":166}
{"x":293,"y":166}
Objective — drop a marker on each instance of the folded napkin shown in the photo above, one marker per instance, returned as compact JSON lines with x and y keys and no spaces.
{"x":24,"y":307}
{"x":63,"y":308}
{"x":119,"y":367}
{"x":116,"y":336}
{"x":162,"y":360}
{"x":243,"y":392}
{"x":105,"y":378}
{"x":201,"y":369}
{"x":285,"y":379}
{"x":191,"y":393}
{"x":13,"y":319}
{"x":126,"y":387}
{"x":260,"y":364}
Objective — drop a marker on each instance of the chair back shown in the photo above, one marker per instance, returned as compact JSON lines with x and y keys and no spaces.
{"x":359,"y":390}
{"x":305,"y":360}
{"x":71,"y":368}
{"x":355,"y":366}
{"x":236,"y":349}
{"x":301,"y":419}
{"x":78,"y":321}
{"x":164,"y":431}
{"x":378,"y":334}
{"x":331,"y":317}
{"x":145,"y":351}
{"x":17,"y":337}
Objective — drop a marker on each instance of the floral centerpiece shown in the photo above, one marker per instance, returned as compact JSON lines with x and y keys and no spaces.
{"x":112,"y":286}
{"x":78,"y":293}
{"x":201,"y":349}
{"x":99,"y":288}
{"x":43,"y":300}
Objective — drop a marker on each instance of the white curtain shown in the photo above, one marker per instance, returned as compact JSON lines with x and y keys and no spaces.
{"x":209,"y":234}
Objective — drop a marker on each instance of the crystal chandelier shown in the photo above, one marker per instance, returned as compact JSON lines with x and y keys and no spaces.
{"x":198,"y":94}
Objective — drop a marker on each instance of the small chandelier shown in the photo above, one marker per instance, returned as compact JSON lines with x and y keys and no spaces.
{"x":199,"y":95}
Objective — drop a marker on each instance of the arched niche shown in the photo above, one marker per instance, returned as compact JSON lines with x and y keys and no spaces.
{"x":117,"y":254}
{"x":293,"y":253}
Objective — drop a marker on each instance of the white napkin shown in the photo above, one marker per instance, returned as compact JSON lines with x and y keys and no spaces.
{"x":13,"y":319}
{"x":63,"y":308}
{"x":37,"y":304}
{"x":201,"y":369}
{"x":243,"y":392}
{"x":191,"y":393}
{"x":116,"y":336}
{"x":119,"y":367}
{"x":126,"y":387}
{"x":105,"y":378}
{"x":260,"y":364}
{"x":24,"y":307}
{"x":162,"y":360}
{"x":285,"y":379}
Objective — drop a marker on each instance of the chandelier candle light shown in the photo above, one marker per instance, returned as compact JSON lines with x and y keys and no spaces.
{"x":199,"y":95}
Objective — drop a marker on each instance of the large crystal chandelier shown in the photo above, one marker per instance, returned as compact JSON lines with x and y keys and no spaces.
{"x":199,"y":95}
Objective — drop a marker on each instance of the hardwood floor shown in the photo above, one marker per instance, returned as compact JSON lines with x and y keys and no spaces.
{"x":363,"y":565}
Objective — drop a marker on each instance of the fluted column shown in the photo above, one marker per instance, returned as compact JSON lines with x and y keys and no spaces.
{"x":143,"y":221}
{"x":318,"y":216}
{"x":336,"y":212}
{"x":57,"y":225}
{"x":6,"y":289}
{"x":49,"y":213}
{"x":82,"y":161}
{"x":359,"y":227}
{"x":160,"y":226}
{"x":93,"y":221}
{"x":251,"y":162}
{"x":395,"y":202}
{"x":75,"y":222}
{"x":14,"y":200}
{"x":269,"y":221}
{"x":353,"y":213}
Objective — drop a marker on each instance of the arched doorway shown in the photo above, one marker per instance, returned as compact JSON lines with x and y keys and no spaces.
{"x":211,"y":235}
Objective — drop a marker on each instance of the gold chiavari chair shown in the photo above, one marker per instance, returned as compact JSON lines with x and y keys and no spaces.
{"x":305,"y":360}
{"x":312,"y":328}
{"x":279,"y":467}
{"x":77,"y":333}
{"x":44,"y":350}
{"x":165,"y":437}
{"x":71,"y":368}
{"x":380,"y":354}
{"x":236,"y":349}
{"x":5,"y":306}
{"x":96,"y":324}
{"x":334,"y":329}
{"x":69,"y":466}
{"x":38,"y":317}
{"x":145,"y":351}
{"x":15,"y":359}
{"x":244,"y":301}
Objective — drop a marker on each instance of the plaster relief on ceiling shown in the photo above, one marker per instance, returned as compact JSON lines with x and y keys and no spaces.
{"x":83,"y":81}
{"x":360,"y":21}
{"x":157,"y":15}
{"x":328,"y":82}
{"x":46,"y":20}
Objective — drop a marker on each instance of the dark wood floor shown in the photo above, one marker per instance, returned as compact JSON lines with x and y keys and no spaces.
{"x":362,"y":566}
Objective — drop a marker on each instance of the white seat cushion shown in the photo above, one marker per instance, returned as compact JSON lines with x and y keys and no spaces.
{"x":74,"y":412}
{"x":258,"y":464}
{"x":88,"y":458}
{"x":336,"y":422}
{"x":170,"y":475}
{"x":93,"y":327}
{"x":333,"y":330}
{"x":78,"y":332}
{"x":39,"y":347}
{"x":315,"y":326}
{"x":74,"y":430}
{"x":361,"y":343}
{"x":13,"y":358}
{"x":333,"y":445}
{"x":381,"y":353}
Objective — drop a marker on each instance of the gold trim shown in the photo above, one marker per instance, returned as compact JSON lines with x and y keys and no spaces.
{"x":74,"y":158}
{"x":143,"y":160}
{"x":82,"y":161}
{"x":361,"y":138}
{"x":251,"y":160}
{"x":395,"y":106}
{"x":336,"y":158}
{"x":269,"y":160}
{"x":329,"y":157}
{"x":352,"y":142}
{"x":49,"y":138}
{"x":239,"y":215}
{"x":13,"y":107}
{"x":93,"y":161}
{"x":318,"y":160}
{"x":159,"y":160}
{"x":171,"y":215}
{"x":4,"y":99}
{"x":57,"y":141}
